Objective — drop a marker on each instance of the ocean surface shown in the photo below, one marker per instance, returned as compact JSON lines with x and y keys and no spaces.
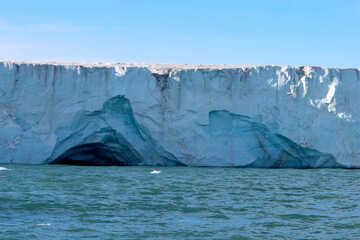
{"x":79,"y":202}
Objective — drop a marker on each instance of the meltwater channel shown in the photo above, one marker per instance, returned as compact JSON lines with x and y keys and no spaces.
{"x":73,"y":202}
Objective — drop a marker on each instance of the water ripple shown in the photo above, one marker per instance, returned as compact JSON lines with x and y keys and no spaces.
{"x":63,"y":202}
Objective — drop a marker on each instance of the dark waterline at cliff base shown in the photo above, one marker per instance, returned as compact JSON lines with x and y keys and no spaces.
{"x":72,"y":202}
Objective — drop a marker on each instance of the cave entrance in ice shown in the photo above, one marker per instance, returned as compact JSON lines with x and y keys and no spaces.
{"x":95,"y":154}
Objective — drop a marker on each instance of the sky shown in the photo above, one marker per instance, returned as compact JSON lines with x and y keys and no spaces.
{"x":252,"y":32}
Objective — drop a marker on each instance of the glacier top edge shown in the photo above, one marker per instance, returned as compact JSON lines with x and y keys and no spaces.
{"x":157,"y":66}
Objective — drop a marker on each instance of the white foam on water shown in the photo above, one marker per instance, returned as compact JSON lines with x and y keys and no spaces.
{"x":4,"y":169}
{"x":155,"y":172}
{"x":43,"y":224}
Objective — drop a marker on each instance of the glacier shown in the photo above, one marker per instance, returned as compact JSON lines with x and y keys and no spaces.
{"x":179,"y":115}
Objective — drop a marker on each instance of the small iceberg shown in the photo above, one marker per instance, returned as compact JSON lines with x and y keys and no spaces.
{"x":4,"y":169}
{"x":155,"y":172}
{"x":43,"y":224}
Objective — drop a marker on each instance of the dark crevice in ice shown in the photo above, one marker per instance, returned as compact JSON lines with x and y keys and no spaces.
{"x":96,"y":154}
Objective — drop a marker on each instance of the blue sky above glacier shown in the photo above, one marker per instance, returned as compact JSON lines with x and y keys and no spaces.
{"x":288,"y":32}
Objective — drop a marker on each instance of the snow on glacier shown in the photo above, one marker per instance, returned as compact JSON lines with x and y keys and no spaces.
{"x":193,"y":115}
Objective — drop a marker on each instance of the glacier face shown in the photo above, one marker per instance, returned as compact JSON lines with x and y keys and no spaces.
{"x":193,"y":115}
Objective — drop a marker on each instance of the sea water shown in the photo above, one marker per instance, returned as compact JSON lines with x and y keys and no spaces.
{"x":73,"y":202}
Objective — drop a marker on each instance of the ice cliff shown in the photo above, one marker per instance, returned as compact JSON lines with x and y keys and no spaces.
{"x":193,"y":115}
